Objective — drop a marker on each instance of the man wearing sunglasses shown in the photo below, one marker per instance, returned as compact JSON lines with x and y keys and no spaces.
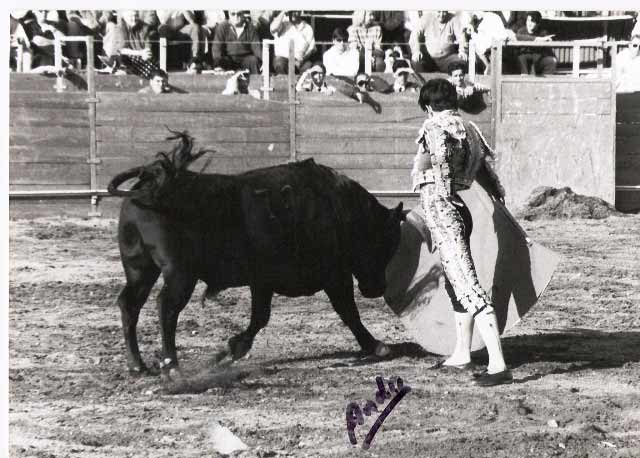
{"x":628,"y":66}
{"x":340,"y":59}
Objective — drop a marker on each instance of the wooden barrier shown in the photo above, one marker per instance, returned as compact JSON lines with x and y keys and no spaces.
{"x":567,"y":123}
{"x":209,"y":84}
{"x":556,"y":133}
{"x":628,"y":151}
{"x":48,"y":141}
{"x":376,"y":149}
{"x":246,"y":133}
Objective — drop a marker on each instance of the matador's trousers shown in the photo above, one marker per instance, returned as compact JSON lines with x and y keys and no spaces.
{"x":444,"y":218}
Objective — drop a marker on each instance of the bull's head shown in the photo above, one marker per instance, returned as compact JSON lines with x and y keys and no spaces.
{"x":374,"y":246}
{"x":154,"y":179}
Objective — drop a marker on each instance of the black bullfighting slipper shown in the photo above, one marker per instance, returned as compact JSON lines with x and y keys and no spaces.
{"x":499,"y":378}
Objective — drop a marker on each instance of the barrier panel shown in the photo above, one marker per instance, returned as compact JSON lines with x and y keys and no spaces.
{"x":375,"y":149}
{"x":48,"y":141}
{"x":628,"y":152}
{"x":245,"y":133}
{"x":556,"y":133}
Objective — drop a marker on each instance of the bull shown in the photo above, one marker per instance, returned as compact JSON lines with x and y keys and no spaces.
{"x":292,"y":229}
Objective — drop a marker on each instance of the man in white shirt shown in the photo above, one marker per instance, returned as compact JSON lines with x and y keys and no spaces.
{"x":340,"y":59}
{"x":304,"y":44}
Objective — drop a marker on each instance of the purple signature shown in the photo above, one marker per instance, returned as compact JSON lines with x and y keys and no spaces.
{"x":355,"y":415}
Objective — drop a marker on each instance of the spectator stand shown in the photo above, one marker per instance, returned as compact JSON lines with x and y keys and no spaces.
{"x":526,"y":119}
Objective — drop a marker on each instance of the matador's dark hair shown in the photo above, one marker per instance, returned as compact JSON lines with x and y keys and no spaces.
{"x":439,"y":94}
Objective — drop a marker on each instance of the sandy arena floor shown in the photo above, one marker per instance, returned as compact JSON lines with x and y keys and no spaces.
{"x":575,"y":357}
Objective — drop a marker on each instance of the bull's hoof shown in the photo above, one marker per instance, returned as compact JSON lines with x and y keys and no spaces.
{"x":382,"y":350}
{"x":239,"y":346}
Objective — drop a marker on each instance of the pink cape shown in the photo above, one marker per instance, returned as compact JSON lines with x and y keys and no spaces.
{"x":513,"y":269}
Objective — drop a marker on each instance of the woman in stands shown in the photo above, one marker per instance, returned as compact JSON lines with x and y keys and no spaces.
{"x":450,"y":154}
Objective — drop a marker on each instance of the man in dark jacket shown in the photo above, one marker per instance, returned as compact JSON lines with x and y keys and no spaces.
{"x":535,"y":61}
{"x":236,"y":44}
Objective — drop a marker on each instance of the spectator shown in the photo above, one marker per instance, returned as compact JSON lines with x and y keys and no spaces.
{"x":83,"y":23}
{"x":40,"y":28}
{"x":393,"y":29}
{"x":340,"y":59}
{"x":628,"y":66}
{"x":19,"y":43}
{"x":304,"y":44}
{"x":488,"y":28}
{"x":236,"y":43}
{"x":210,"y":20}
{"x":238,"y":84}
{"x":469,"y":94}
{"x":261,"y":20}
{"x":445,"y":43}
{"x":181,"y":25}
{"x":512,"y":20}
{"x":367,"y":33}
{"x":312,"y":80}
{"x":158,"y":83}
{"x":535,"y":61}
{"x":401,"y":72}
{"x":129,"y":43}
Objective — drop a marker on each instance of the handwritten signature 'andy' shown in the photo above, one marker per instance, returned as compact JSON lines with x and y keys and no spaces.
{"x":355,"y":414}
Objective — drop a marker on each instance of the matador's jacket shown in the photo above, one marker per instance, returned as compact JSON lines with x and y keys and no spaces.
{"x":451,"y":153}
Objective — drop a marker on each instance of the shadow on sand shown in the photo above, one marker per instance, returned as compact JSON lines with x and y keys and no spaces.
{"x":582,"y":349}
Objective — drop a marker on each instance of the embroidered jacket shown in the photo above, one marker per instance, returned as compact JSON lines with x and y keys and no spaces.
{"x":450,"y":154}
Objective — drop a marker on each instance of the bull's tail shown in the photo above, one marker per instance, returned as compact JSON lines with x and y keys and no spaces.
{"x":121,"y":178}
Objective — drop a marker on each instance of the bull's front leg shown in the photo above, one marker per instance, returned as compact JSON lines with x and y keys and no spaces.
{"x":240,"y":344}
{"x":343,"y":302}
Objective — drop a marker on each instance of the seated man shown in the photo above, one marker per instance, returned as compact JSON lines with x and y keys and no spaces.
{"x":469,"y":94}
{"x":236,"y":44}
{"x":181,"y":25}
{"x":367,"y":33}
{"x":312,"y":80}
{"x":401,"y":73}
{"x":304,"y":44}
{"x":445,"y":43}
{"x":158,"y":83}
{"x":340,"y":60}
{"x":535,"y":61}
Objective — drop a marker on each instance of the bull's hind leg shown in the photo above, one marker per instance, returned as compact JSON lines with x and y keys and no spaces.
{"x":140,"y":280}
{"x":344,"y":304}
{"x":240,"y":344}
{"x":174,"y":296}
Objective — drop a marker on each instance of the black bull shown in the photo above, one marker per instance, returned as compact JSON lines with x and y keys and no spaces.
{"x":292,"y":229}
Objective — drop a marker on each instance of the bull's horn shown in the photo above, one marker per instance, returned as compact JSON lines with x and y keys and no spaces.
{"x":121,"y":178}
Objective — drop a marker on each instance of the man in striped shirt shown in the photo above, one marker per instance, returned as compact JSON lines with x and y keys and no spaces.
{"x":364,"y":34}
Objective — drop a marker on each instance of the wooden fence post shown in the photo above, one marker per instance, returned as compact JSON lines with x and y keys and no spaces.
{"x":265,"y":69}
{"x":293,"y":155}
{"x":93,"y":160}
{"x":472,"y":61}
{"x":576,"y":61}
{"x":368,"y":57}
{"x":57,"y":62}
{"x":163,"y":53}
